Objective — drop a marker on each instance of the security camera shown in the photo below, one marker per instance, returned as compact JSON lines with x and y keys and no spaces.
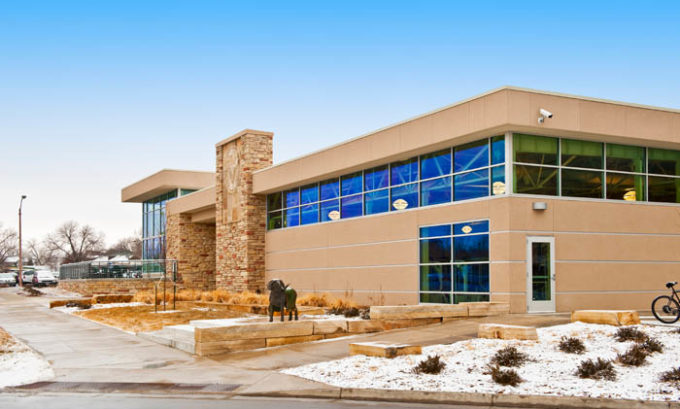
{"x":544,"y":114}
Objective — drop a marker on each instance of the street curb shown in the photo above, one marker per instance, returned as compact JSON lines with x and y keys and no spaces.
{"x":473,"y":399}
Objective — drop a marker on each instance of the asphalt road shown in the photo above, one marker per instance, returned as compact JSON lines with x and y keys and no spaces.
{"x":96,"y":401}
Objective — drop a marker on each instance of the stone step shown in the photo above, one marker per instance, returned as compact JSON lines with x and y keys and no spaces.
{"x":608,"y":317}
{"x":178,"y":338}
{"x":502,"y":331}
{"x":383,"y":350}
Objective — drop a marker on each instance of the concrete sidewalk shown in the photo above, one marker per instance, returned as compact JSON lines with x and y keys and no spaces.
{"x":84,"y":351}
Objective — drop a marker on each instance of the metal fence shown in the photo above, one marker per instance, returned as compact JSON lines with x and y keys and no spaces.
{"x":119,"y":269}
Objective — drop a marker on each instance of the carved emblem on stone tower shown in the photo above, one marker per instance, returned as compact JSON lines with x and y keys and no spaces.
{"x":230,"y":180}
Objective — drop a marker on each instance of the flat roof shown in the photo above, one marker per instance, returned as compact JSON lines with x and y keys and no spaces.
{"x":164,"y":181}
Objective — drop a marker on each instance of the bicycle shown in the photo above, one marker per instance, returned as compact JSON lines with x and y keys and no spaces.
{"x":667,"y":309}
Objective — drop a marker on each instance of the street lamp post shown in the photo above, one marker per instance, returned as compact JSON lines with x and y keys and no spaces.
{"x":21,"y":256}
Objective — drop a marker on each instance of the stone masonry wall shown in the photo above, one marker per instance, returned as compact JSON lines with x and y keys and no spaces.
{"x":241,"y":215}
{"x":90,"y":287}
{"x":193,"y":246}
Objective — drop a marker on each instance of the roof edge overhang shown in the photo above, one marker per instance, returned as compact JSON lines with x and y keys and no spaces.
{"x":166,"y":180}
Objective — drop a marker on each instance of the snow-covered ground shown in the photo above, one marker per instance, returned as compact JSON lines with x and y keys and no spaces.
{"x":550,"y":371}
{"x":19,"y":365}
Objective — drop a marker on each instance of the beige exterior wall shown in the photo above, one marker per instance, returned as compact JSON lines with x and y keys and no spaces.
{"x":607,"y":255}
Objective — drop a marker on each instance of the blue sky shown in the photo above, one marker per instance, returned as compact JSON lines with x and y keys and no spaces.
{"x":96,"y":95}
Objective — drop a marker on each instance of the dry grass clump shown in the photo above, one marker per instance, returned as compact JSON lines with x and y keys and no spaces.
{"x":7,"y":343}
{"x":32,"y":292}
{"x":503,"y":376}
{"x":630,"y":334}
{"x":78,"y":304}
{"x":635,"y":356}
{"x":344,"y":306}
{"x":248,"y":297}
{"x":671,"y":376}
{"x":571,"y":345}
{"x":315,"y":300}
{"x":221,"y":296}
{"x":600,"y":369}
{"x":432,"y":365}
{"x":509,"y":356}
{"x":652,"y":345}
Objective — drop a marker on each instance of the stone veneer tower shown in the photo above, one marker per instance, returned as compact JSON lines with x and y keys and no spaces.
{"x":240,"y":216}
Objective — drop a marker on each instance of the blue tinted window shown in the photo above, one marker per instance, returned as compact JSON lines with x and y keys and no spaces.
{"x":329,"y":209}
{"x":329,"y":189}
{"x":377,"y":202}
{"x":435,"y":191}
{"x":435,"y":164}
{"x":292,"y":198}
{"x":351,"y":184}
{"x":435,"y":250}
{"x":471,"y":277}
{"x":309,"y":194}
{"x":435,"y":298}
{"x":471,"y":156}
{"x":471,"y":185}
{"x":497,"y":150}
{"x":435,"y":278}
{"x":481,"y":226}
{"x":406,"y":193}
{"x":376,"y":178}
{"x":351,"y":206}
{"x":404,"y":172}
{"x":291,"y":217}
{"x":435,"y":231}
{"x":498,"y":180}
{"x":471,"y":248}
{"x":309,"y":214}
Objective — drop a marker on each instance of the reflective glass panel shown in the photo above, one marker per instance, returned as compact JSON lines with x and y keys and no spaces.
{"x":534,"y":149}
{"x":404,"y":172}
{"x":664,"y":162}
{"x":625,"y":158}
{"x":582,"y":183}
{"x":435,"y":191}
{"x":376,"y":178}
{"x":497,"y":150}
{"x":471,"y":156}
{"x":664,"y":189}
{"x":535,"y":180}
{"x":291,"y":217}
{"x":471,"y":277}
{"x":351,"y":184}
{"x":309,"y":194}
{"x":481,"y":226}
{"x":435,"y":250}
{"x":292,"y":198}
{"x":274,"y":201}
{"x":329,"y":189}
{"x":459,"y":298}
{"x":404,"y":197}
{"x":471,"y":248}
{"x":498,"y":180}
{"x":435,"y":277}
{"x":330,"y":210}
{"x":582,"y":154}
{"x":309,"y":214}
{"x":377,"y":201}
{"x":471,"y":185}
{"x":540,"y":272}
{"x":435,"y":231}
{"x":274,"y":220}
{"x":435,"y":164}
{"x":622,"y":186}
{"x":351,"y":206}
{"x":435,"y":298}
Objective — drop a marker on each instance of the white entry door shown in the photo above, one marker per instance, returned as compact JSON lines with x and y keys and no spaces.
{"x":540,"y":274}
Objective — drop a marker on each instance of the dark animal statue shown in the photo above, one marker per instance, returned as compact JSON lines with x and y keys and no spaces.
{"x":281,"y":298}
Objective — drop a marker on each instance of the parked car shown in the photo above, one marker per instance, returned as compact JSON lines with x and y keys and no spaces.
{"x":7,"y":279}
{"x":44,"y":278}
{"x":27,"y":277}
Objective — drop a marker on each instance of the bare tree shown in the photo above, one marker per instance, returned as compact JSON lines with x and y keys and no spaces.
{"x":130,"y":246}
{"x":8,"y":243}
{"x":76,"y":243}
{"x":40,"y":253}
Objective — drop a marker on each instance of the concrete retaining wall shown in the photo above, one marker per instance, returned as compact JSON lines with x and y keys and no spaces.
{"x":90,"y":287}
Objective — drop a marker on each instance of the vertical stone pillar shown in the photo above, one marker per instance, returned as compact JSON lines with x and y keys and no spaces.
{"x":240,"y":215}
{"x":193,"y":246}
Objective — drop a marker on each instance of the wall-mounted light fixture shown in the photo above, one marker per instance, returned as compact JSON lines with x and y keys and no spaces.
{"x":540,"y":206}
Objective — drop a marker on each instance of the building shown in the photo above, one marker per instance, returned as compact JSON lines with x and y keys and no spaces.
{"x":547,"y":201}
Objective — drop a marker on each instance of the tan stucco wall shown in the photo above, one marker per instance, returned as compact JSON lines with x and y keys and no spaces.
{"x":608,"y":255}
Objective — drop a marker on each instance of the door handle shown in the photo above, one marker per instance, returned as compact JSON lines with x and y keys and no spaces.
{"x":552,"y":277}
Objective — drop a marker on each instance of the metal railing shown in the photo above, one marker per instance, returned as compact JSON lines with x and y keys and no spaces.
{"x":150,"y":269}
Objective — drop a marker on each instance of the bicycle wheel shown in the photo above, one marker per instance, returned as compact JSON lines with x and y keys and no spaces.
{"x":666,"y":309}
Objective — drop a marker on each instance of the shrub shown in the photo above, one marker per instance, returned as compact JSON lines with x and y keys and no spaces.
{"x":315,"y":300}
{"x":630,"y":334}
{"x":671,"y":376}
{"x":651,"y":345}
{"x":365,"y":313}
{"x":432,"y":365}
{"x":340,"y":306}
{"x":32,"y":292}
{"x":509,"y":356}
{"x":571,"y":345}
{"x":503,"y":376}
{"x":635,"y":356}
{"x":600,"y":369}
